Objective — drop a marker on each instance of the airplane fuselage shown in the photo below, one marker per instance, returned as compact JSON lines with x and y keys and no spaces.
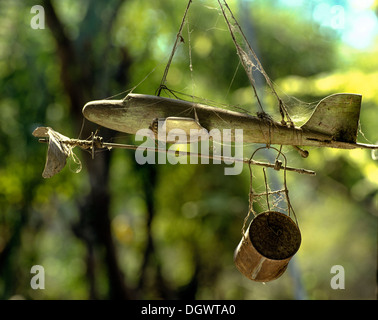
{"x":137,"y":111}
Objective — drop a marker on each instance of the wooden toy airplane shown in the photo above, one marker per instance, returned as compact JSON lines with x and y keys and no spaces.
{"x":333,"y":123}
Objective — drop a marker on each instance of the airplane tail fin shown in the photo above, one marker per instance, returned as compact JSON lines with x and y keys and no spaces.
{"x":337,"y":115}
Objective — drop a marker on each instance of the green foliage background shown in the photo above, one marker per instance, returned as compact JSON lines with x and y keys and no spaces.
{"x":175,"y":227}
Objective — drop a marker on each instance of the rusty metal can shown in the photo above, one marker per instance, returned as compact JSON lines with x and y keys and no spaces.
{"x":267,"y":246}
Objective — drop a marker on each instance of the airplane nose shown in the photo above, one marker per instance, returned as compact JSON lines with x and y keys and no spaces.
{"x":100,"y":109}
{"x":93,"y":109}
{"x":88,"y":109}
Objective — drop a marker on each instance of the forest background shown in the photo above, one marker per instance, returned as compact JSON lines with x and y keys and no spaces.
{"x":121,"y":230}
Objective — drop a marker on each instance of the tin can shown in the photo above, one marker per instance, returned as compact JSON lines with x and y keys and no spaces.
{"x":267,"y":246}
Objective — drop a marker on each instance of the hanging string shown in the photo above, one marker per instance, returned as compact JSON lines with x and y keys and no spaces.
{"x":179,"y":39}
{"x":190,"y":59}
{"x":248,"y":64}
{"x":253,"y":195}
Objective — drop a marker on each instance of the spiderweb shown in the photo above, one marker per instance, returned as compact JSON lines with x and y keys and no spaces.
{"x":262,"y":198}
{"x":248,"y":61}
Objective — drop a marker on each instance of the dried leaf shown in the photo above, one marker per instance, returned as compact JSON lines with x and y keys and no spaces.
{"x":57,"y":152}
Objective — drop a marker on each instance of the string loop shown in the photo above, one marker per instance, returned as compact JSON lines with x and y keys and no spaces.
{"x":253,"y":196}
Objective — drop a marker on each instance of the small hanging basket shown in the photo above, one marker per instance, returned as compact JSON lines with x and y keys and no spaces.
{"x":272,"y":237}
{"x":267,"y":246}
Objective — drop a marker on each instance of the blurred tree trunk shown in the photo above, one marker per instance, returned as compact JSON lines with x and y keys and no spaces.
{"x":83,"y":68}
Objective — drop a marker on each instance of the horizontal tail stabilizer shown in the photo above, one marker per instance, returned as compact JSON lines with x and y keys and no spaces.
{"x":338,"y":116}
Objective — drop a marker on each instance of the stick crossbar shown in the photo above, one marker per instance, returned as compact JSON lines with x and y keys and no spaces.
{"x":97,"y":143}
